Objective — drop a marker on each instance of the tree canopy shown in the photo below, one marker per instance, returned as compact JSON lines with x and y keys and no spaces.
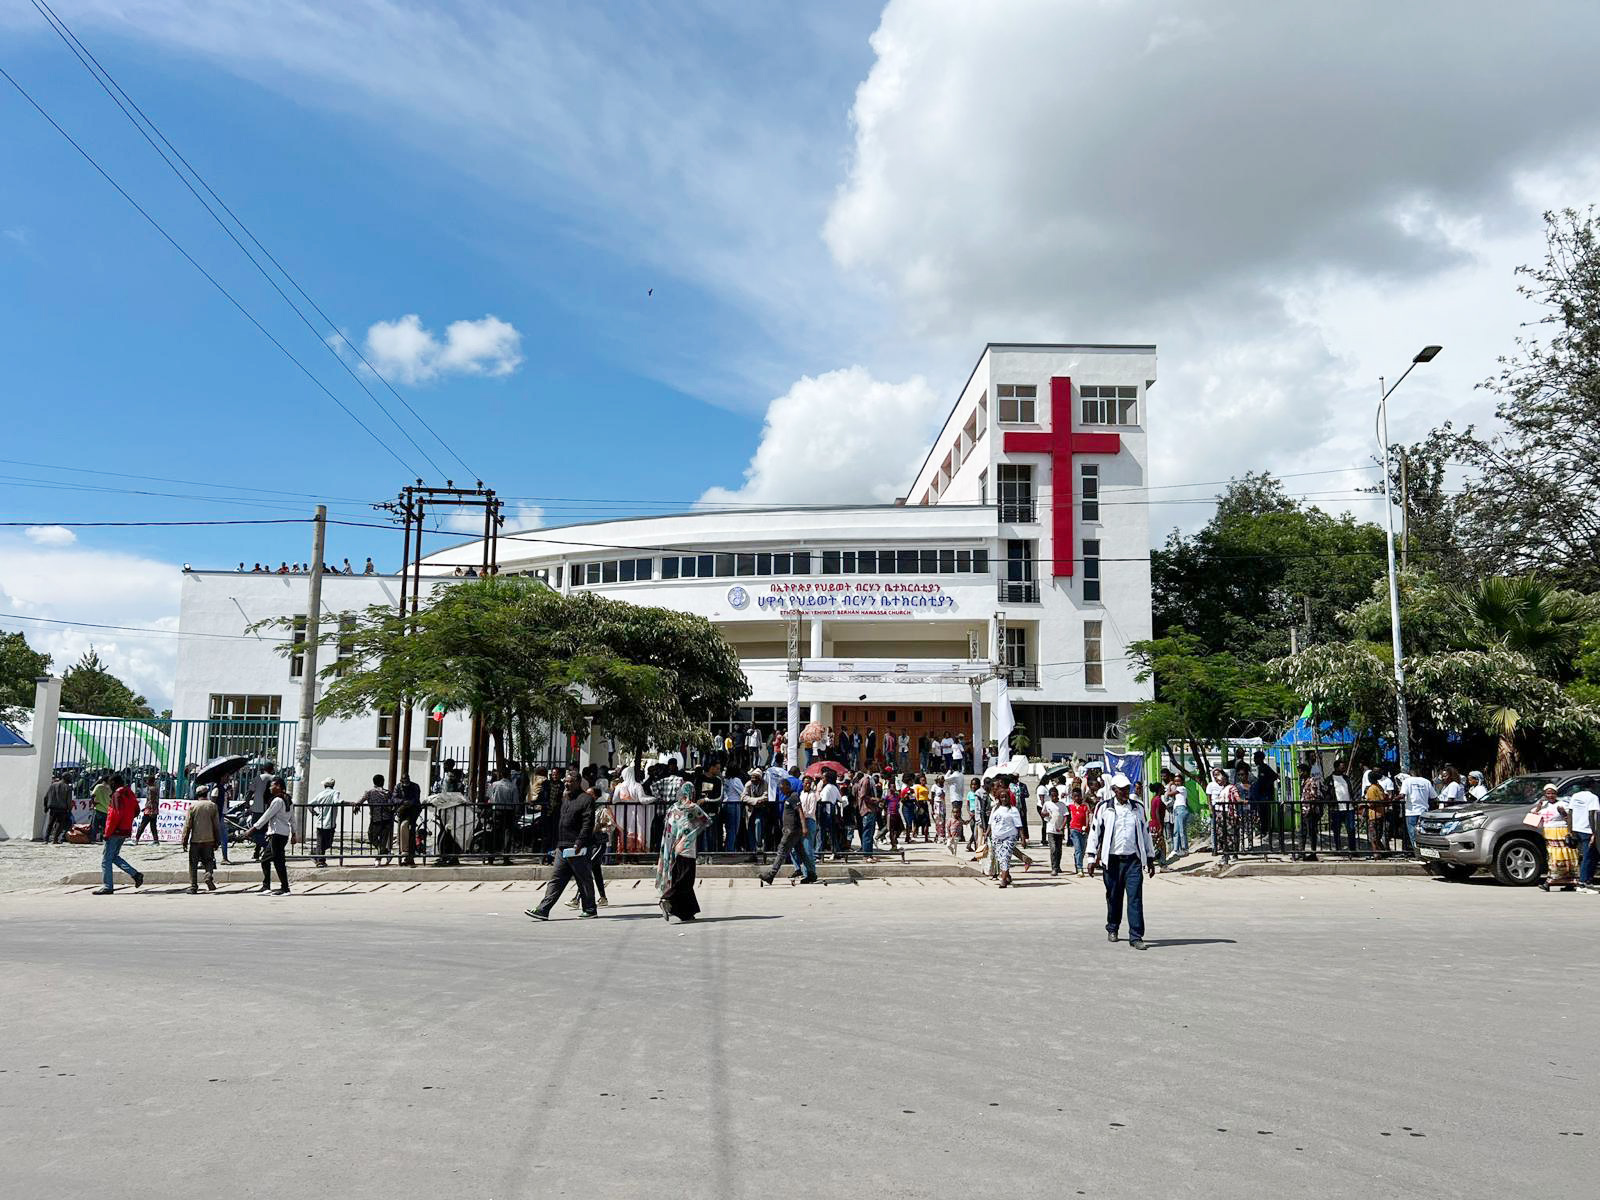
{"x":88,"y":686}
{"x":20,"y":666}
{"x":519,"y":654}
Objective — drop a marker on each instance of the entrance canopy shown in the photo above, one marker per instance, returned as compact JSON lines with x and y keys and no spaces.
{"x":883,"y":670}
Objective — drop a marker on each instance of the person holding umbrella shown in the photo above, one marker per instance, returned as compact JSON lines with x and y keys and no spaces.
{"x":676,"y":867}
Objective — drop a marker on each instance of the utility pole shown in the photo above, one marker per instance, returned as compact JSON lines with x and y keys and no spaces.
{"x":308,"y":675}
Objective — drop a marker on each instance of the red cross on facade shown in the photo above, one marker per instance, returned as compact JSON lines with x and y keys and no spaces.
{"x":1060,"y":443}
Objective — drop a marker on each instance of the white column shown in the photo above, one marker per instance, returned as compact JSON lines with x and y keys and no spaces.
{"x":977,"y":731}
{"x":816,"y":638}
{"x":46,"y":708}
{"x":791,"y":744}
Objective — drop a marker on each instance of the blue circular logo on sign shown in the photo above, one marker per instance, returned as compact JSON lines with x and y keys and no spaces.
{"x":738,"y":597}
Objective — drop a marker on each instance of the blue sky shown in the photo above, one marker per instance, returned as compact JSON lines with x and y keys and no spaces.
{"x":830,"y":201}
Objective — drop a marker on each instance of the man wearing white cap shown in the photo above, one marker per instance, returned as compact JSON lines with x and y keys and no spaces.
{"x":1120,"y":846}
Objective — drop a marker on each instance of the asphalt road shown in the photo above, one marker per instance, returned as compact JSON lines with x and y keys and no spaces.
{"x":1362,"y":1038}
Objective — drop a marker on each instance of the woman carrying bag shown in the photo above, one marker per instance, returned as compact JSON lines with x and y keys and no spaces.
{"x":279,"y":829}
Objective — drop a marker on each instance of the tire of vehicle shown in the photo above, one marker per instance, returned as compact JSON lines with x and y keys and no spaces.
{"x":1455,"y":872}
{"x":1518,"y":861}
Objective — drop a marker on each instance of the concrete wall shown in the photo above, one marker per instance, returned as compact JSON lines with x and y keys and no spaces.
{"x":352,"y":770}
{"x":25,"y":770}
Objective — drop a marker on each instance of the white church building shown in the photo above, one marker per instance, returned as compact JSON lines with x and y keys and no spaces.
{"x":1012,"y":576}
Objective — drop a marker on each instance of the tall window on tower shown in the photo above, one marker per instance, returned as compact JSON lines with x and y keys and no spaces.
{"x":1018,"y":403}
{"x":1019,"y":672}
{"x":1016,"y":494}
{"x":1020,"y":585}
{"x":1094,"y":672}
{"x":1091,"y":570}
{"x":1089,"y":490}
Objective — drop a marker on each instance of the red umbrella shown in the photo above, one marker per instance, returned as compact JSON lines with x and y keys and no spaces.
{"x":826,"y":764}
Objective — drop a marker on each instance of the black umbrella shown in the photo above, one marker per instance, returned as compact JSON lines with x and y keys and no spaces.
{"x":219,"y":769}
{"x":1056,"y":772}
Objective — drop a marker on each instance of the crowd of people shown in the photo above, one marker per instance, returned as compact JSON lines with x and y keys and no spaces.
{"x":300,"y":568}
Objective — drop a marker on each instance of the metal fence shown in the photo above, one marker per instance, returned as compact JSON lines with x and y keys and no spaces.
{"x":90,"y":749}
{"x":1301,"y":829}
{"x":448,"y":832}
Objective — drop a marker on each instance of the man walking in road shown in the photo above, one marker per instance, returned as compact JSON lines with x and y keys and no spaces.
{"x":574,"y":832}
{"x":57,"y":809}
{"x":793,"y":838}
{"x":123,"y":807}
{"x":202,"y":830}
{"x":1120,"y":846}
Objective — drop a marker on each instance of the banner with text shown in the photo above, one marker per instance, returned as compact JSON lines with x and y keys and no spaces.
{"x":847,"y":598}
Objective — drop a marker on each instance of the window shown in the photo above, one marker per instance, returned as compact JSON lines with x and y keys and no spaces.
{"x":702,"y":565}
{"x":947,"y":562}
{"x":622,"y":570}
{"x":886,"y":562}
{"x":431,"y":731}
{"x":248,"y":725}
{"x":830,"y":562}
{"x":980,"y":562}
{"x":724,"y":566}
{"x":559,"y":571}
{"x":906,"y":562}
{"x":802,"y":562}
{"x":1091,"y":570}
{"x":1019,"y":586}
{"x":591,"y":573}
{"x":1083,"y":722}
{"x":297,"y":660}
{"x":964,"y":561}
{"x":867,"y":560}
{"x":849,"y":564}
{"x":744,"y":564}
{"x":983,"y":487}
{"x":1089,"y":489}
{"x":1102,"y":405}
{"x":983,"y":416}
{"x":246,"y":708}
{"x":608,"y":571}
{"x":1014,"y":657}
{"x":1093,"y":668}
{"x":1016,"y":493}
{"x":669,"y":568}
{"x":1018,"y":402}
{"x":782,"y":564}
{"x":347,"y":642}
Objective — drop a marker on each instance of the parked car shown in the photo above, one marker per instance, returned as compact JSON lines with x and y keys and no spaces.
{"x":1489,"y":834}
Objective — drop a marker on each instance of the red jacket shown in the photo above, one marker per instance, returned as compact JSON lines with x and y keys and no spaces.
{"x":124,"y":808}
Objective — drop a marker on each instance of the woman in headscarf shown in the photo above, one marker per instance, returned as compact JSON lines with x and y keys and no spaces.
{"x":631,"y":804}
{"x":1560,"y":848}
{"x":675,"y":868}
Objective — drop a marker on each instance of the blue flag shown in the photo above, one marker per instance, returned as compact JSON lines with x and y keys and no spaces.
{"x":1131,"y":765}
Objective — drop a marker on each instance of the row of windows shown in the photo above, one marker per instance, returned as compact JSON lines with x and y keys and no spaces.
{"x":1087,"y":722}
{"x":1099,"y":404}
{"x":613,"y":570}
{"x":801,"y":562}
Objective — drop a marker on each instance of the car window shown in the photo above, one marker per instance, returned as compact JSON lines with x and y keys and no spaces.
{"x":1523,"y":789}
{"x":1582,"y":783}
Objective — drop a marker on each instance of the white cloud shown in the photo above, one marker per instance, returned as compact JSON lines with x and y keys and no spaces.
{"x":79,"y":583}
{"x":1288,"y":205}
{"x":50,"y":535}
{"x":839,"y":437}
{"x":18,"y":234}
{"x":406,"y":352}
{"x":517,"y":517}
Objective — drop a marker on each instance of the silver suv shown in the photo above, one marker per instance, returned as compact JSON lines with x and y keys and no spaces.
{"x":1489,"y":834}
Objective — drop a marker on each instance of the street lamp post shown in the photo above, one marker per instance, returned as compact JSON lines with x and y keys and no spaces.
{"x":1402,"y":725}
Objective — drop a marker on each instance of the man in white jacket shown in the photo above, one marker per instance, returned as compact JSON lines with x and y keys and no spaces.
{"x":1121,"y":848}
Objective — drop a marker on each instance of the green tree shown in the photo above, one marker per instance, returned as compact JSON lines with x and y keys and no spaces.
{"x":1242,"y":581}
{"x":524,"y":657}
{"x":20,"y":666}
{"x":1529,"y":501}
{"x":1202,"y":698}
{"x":89,"y":687}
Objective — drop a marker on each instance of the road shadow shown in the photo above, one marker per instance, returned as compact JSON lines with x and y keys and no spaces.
{"x":1153,"y":943}
{"x":656,"y":916}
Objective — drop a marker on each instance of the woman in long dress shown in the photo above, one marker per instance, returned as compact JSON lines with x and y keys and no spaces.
{"x":675,"y":868}
{"x":1005,"y":825}
{"x":1561,"y":860}
{"x":631,"y":804}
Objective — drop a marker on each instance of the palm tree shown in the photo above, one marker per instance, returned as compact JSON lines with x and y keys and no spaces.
{"x":1525,"y":614}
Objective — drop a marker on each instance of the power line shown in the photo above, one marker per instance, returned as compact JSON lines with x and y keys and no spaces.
{"x":162,"y":524}
{"x":231,"y":486}
{"x":145,"y":629}
{"x":53,"y":485}
{"x":104,"y":78}
{"x":159,"y":228}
